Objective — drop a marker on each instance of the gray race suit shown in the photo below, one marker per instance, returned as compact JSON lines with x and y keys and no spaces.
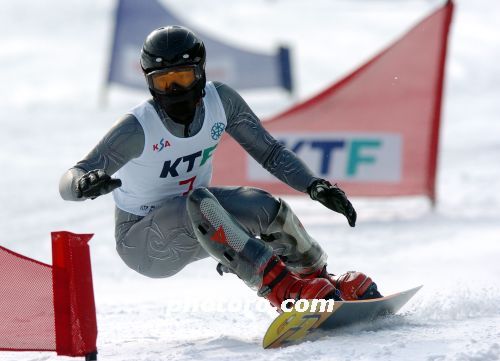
{"x":161,"y":243}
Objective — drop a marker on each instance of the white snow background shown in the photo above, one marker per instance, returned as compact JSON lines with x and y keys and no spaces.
{"x":53,"y":56}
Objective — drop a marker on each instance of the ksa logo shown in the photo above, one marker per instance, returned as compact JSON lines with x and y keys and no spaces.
{"x":160,"y":146}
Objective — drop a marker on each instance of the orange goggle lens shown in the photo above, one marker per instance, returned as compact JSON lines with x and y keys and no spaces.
{"x":164,"y":80}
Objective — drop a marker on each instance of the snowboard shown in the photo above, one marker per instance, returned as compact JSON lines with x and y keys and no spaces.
{"x":293,"y":327}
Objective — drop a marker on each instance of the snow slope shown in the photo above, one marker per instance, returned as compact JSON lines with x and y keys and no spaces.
{"x":52,"y":62}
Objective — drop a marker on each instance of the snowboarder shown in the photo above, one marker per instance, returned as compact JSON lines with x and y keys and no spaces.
{"x":167,"y":215}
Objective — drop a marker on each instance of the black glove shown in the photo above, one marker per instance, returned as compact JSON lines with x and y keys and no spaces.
{"x":332,"y":197}
{"x":96,"y":183}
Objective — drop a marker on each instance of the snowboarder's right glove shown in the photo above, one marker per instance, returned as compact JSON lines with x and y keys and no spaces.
{"x":96,"y":183}
{"x":331,"y":196}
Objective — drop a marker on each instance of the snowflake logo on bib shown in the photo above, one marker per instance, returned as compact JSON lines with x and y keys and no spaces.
{"x":217,"y":130}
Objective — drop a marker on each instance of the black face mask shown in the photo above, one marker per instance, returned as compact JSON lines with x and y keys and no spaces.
{"x":181,"y":112}
{"x":182,"y":106}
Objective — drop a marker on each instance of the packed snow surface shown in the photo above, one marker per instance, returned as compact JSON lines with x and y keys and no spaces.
{"x":53,"y":59}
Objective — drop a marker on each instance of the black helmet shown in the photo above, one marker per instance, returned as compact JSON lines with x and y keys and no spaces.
{"x":172,"y":46}
{"x":169,"y":50}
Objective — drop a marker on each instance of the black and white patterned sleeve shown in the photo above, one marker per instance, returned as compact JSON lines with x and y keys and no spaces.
{"x":123,"y":142}
{"x":246,"y":128}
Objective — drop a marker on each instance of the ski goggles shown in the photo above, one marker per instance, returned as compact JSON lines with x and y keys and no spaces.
{"x":163,"y":80}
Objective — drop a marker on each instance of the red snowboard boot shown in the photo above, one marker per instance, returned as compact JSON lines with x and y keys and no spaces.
{"x":356,"y":286}
{"x":279,"y":284}
{"x":352,"y":285}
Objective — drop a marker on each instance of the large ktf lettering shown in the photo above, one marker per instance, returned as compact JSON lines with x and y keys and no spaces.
{"x":328,"y":148}
{"x":170,"y":167}
{"x":342,"y":156}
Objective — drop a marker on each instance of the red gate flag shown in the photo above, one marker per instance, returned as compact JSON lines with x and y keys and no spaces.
{"x":74,"y":306}
{"x":49,"y":308}
{"x":375,"y":132}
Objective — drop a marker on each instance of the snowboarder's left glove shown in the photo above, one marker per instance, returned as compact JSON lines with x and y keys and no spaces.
{"x":96,"y":183}
{"x":331,"y":196}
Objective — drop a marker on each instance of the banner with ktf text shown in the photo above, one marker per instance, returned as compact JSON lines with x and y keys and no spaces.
{"x":375,"y":132}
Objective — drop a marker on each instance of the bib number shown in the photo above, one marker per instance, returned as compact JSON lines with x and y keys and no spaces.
{"x":190,"y":182}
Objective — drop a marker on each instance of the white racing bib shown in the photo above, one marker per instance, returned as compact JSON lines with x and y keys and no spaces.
{"x":169,"y":166}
